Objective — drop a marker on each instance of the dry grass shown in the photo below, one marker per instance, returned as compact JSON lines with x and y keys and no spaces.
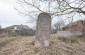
{"x":59,"y":46}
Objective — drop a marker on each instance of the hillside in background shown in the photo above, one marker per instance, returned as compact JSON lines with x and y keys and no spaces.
{"x":59,"y":46}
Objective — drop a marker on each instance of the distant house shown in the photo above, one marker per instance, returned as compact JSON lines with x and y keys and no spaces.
{"x":18,"y":27}
{"x":78,"y":26}
{"x":22,"y":29}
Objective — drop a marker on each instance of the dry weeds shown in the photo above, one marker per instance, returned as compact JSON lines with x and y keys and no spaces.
{"x":58,"y":46}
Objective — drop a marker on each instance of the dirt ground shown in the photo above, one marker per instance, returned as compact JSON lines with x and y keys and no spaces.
{"x":58,"y":46}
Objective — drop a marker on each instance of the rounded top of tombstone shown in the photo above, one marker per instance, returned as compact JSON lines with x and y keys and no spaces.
{"x":44,"y":14}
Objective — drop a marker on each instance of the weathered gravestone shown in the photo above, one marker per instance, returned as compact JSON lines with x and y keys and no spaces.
{"x":43,"y":29}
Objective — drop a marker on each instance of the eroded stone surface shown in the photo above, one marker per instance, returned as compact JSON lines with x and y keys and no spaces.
{"x":43,"y":29}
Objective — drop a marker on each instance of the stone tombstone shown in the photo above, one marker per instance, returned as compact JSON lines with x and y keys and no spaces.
{"x":43,"y":29}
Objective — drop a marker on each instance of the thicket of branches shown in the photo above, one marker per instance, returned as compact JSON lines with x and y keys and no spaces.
{"x":64,"y":8}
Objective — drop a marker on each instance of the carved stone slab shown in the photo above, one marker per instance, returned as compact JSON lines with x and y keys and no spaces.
{"x":43,"y":29}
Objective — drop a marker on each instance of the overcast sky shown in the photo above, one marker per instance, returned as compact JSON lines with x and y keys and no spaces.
{"x":9,"y":16}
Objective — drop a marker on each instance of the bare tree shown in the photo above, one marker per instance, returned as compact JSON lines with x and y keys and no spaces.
{"x":38,"y":6}
{"x":71,"y":7}
{"x":64,"y":8}
{"x":58,"y":25}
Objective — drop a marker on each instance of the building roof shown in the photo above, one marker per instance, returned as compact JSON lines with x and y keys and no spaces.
{"x":73,"y":23}
{"x":19,"y":27}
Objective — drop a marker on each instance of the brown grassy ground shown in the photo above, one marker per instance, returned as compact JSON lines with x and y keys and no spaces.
{"x":59,"y":46}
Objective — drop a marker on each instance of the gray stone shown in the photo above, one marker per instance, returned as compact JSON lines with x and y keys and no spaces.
{"x":43,"y":29}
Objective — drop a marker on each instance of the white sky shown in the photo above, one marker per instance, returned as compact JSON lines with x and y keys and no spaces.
{"x":9,"y":16}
